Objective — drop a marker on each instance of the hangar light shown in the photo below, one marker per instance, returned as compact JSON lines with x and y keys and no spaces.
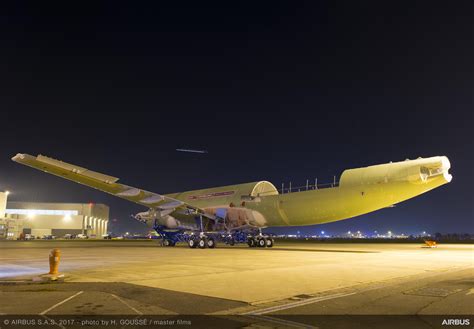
{"x":67,"y":218}
{"x":41,"y":212}
{"x":30,"y":214}
{"x":7,"y":192}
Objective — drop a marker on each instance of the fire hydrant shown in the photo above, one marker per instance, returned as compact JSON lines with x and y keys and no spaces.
{"x":54,"y":257}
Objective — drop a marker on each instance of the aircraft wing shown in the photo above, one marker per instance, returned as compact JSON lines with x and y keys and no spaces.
{"x":106,"y":183}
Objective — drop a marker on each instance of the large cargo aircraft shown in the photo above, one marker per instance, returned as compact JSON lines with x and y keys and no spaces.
{"x":236,"y":213}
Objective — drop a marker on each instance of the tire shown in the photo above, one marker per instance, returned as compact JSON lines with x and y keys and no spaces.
{"x":261,"y":242}
{"x":202,"y":243}
{"x":269,"y":242}
{"x":192,"y":243}
{"x":251,"y":242}
{"x":169,"y":243}
{"x":211,"y":243}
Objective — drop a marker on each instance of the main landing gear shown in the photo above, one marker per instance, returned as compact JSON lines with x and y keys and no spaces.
{"x":201,"y":242}
{"x":260,"y":241}
{"x":168,"y":243}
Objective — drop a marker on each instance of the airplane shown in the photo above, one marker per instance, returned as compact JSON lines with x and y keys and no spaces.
{"x":237,"y":213}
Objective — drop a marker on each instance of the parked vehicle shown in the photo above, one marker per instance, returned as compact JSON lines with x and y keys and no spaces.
{"x":49,"y":237}
{"x":106,"y":236}
{"x":81,"y":236}
{"x":29,"y":237}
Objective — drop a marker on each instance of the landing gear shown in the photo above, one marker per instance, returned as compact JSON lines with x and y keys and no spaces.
{"x":192,"y":243}
{"x":260,"y":241}
{"x":269,"y":242}
{"x":211,"y":243}
{"x":202,"y":243}
{"x":252,"y":242}
{"x":168,"y":243}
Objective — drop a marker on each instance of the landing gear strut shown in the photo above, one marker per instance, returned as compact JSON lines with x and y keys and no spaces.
{"x":202,"y":241}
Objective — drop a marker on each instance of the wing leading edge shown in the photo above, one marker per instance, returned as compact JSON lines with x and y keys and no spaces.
{"x":104,"y":183}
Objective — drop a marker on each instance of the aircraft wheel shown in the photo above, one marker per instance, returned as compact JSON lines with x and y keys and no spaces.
{"x":202,"y":243}
{"x":168,"y":243}
{"x":251,"y":242}
{"x":269,"y":242}
{"x":192,"y":243}
{"x":261,"y":242}
{"x":211,"y":243}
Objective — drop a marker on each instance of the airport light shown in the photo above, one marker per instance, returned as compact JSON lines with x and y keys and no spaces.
{"x":30,"y":214}
{"x":7,"y":193}
{"x":67,"y":218}
{"x":322,"y":232}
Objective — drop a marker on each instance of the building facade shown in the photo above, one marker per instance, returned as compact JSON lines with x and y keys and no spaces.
{"x":42,"y":219}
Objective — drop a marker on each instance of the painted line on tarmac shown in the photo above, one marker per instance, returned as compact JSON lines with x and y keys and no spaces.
{"x":127,"y":304}
{"x":298,"y":303}
{"x":60,"y":303}
{"x":285,"y":323}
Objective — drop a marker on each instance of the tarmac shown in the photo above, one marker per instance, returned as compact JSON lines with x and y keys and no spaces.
{"x":287,"y":285}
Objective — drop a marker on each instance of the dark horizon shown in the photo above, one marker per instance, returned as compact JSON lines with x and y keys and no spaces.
{"x":273,"y":92}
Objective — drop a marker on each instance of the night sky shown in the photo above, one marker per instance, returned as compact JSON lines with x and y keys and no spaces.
{"x":273,"y":91}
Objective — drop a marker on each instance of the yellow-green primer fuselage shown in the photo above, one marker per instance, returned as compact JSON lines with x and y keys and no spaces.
{"x":259,"y":204}
{"x":360,"y":191}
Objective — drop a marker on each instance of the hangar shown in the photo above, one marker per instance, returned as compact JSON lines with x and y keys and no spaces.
{"x":58,"y":219}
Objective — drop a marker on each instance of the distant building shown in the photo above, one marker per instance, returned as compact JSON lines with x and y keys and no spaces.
{"x":58,"y":219}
